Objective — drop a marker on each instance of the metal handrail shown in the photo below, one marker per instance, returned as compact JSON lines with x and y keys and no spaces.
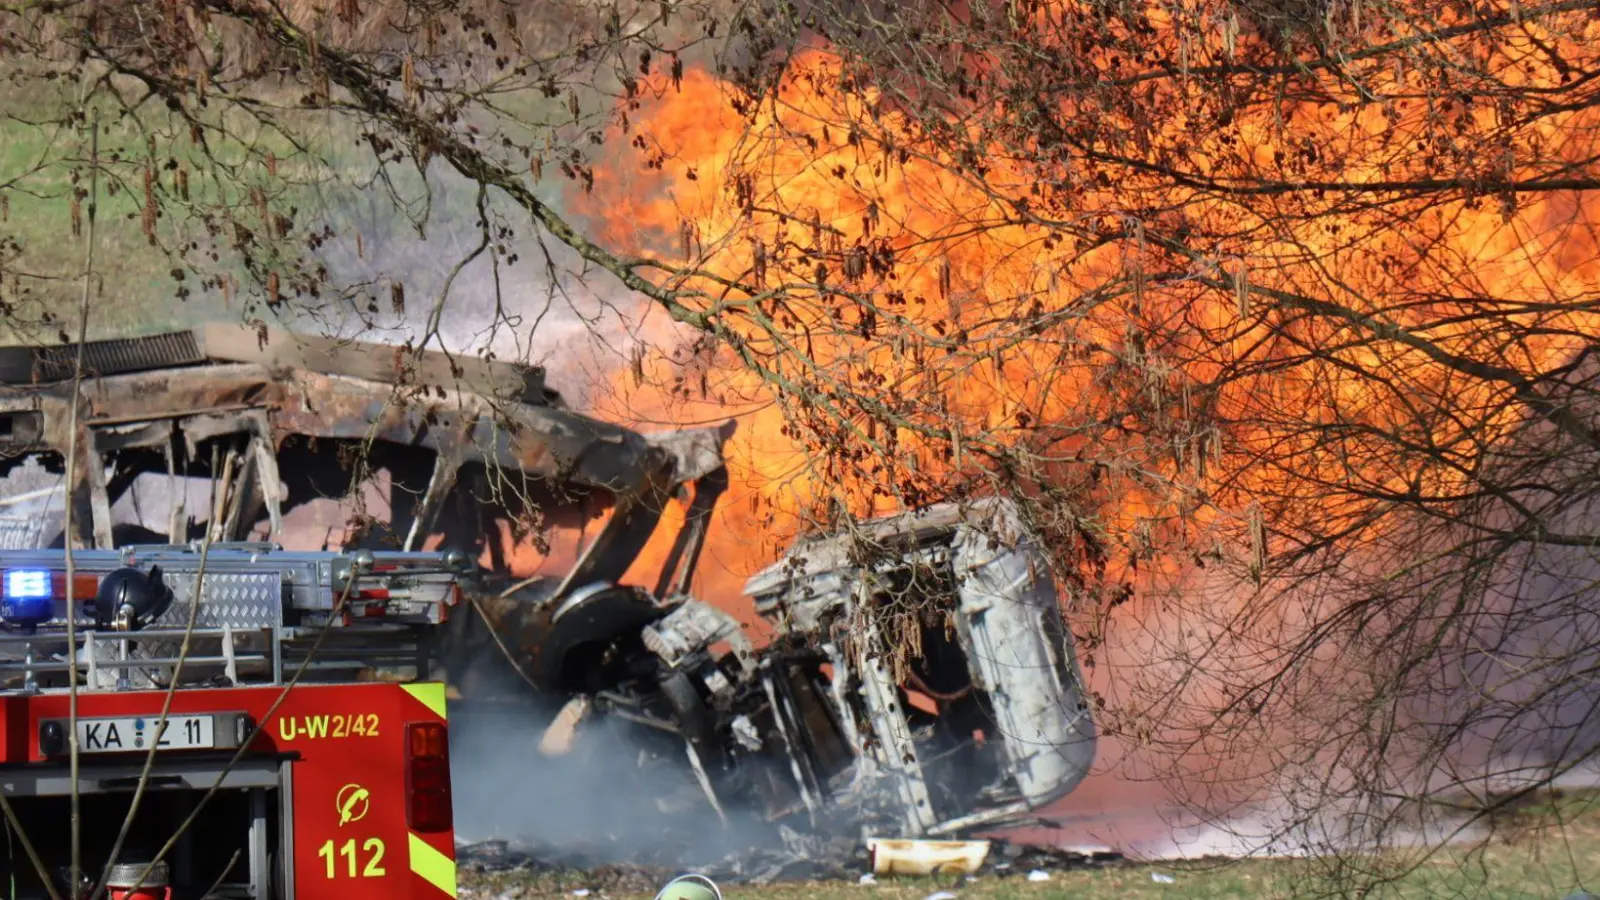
{"x":87,"y":659}
{"x":62,"y":666}
{"x":47,"y":653}
{"x":11,"y":637}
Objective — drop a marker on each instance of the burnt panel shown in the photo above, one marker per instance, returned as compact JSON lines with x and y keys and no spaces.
{"x":33,"y":365}
{"x":21,"y":428}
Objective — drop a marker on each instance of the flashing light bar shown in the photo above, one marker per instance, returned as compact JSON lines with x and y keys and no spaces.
{"x":47,"y":584}
{"x":29,"y":584}
{"x":28,"y":601}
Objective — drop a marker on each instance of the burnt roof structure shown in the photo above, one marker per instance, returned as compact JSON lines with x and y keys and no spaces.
{"x":251,"y":395}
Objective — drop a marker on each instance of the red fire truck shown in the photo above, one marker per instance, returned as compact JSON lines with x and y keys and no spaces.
{"x":271,"y":713}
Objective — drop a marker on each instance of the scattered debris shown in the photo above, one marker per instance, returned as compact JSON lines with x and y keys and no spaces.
{"x":940,"y":895}
{"x":1011,"y":858}
{"x":1038,"y":875}
{"x":754,"y":865}
{"x":804,"y":858}
{"x":1159,"y":878}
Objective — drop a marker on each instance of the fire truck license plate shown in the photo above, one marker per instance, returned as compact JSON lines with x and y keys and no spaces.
{"x":135,"y":733}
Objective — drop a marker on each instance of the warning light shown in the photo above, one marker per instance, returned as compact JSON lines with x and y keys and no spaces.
{"x":27,"y":584}
{"x":28,"y":601}
{"x":28,"y":596}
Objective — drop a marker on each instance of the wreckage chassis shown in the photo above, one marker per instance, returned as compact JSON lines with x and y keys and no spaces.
{"x":835,"y":723}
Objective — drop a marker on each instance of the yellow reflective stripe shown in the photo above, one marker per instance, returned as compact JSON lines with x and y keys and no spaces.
{"x":434,"y":867}
{"x":429,"y":694}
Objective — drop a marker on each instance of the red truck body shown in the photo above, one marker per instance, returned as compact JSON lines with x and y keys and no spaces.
{"x":268,"y":780}
{"x":345,"y":785}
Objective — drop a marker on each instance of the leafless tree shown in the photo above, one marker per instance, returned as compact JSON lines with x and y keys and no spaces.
{"x":1278,"y":315}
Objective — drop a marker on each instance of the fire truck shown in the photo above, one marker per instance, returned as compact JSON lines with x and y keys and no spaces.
{"x":249,"y":723}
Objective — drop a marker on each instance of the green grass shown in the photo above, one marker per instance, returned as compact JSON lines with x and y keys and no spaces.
{"x":1541,"y":853}
{"x":137,"y":292}
{"x":39,"y":218}
{"x":328,"y":184}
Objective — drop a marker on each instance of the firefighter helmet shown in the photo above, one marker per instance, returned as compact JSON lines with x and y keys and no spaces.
{"x":129,"y":599}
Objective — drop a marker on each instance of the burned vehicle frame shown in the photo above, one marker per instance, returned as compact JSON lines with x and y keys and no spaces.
{"x":920,"y":679}
{"x":280,"y":413}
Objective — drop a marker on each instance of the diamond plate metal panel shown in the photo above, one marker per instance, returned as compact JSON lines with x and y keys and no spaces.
{"x":20,"y":532}
{"x":237,"y":599}
{"x":108,"y":675}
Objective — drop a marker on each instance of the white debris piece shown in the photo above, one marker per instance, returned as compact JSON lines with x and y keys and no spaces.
{"x":868,"y":878}
{"x":744,"y":731}
{"x":1159,"y":878}
{"x":1038,"y":875}
{"x":940,"y":895}
{"x":581,"y":892}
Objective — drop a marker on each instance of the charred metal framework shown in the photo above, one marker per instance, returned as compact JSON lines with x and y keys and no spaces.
{"x":820,"y":728}
{"x":1005,"y":727}
{"x":832,"y":724}
{"x":276,"y":419}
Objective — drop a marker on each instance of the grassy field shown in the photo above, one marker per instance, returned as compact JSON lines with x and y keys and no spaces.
{"x":1545,"y":852}
{"x":328,"y":183}
{"x":137,"y":292}
{"x":38,"y":218}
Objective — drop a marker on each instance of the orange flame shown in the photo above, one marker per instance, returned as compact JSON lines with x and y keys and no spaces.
{"x":985,"y":322}
{"x":1205,"y":383}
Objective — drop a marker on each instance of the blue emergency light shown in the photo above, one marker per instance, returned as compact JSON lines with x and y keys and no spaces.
{"x":27,"y":602}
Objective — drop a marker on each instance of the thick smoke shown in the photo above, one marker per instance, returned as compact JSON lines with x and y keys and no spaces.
{"x":614,"y":797}
{"x":1449,"y":677}
{"x":526,"y":298}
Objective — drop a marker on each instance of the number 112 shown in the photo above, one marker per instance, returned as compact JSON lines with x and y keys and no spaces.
{"x":373,"y":847}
